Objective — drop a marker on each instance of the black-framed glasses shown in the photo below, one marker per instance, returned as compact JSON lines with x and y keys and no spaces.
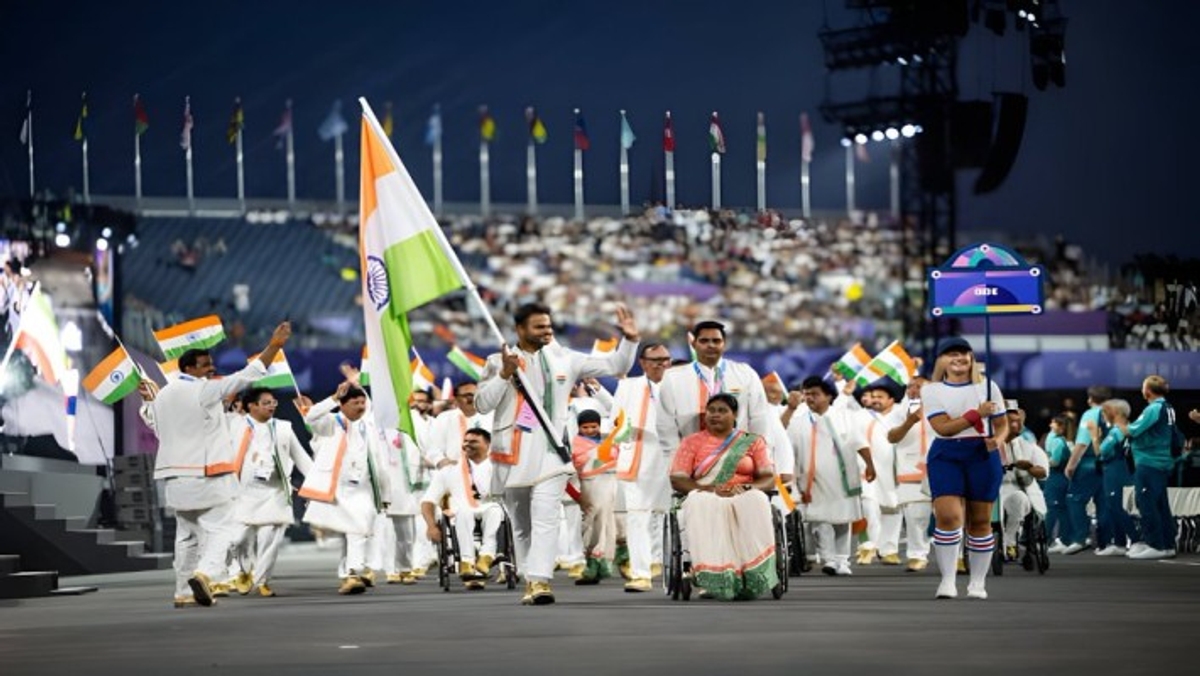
{"x":656,"y":360}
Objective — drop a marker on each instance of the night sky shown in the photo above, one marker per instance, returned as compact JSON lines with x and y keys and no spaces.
{"x":1105,"y":161}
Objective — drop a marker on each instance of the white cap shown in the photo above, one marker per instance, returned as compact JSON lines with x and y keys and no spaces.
{"x":1011,"y":405}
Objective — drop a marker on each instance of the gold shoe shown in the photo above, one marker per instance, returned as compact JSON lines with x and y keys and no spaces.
{"x":655,"y":570}
{"x":540,"y":593}
{"x":639,"y":584}
{"x":917,"y":565}
{"x":395,"y":578}
{"x":576,"y":571}
{"x":186,"y":602}
{"x":475,"y":585}
{"x":408,"y":578}
{"x":265,"y":591}
{"x":527,"y":598}
{"x":368,"y":577}
{"x":865,"y":557}
{"x":890,"y":559}
{"x":962,"y":566}
{"x":626,"y":571}
{"x":484,"y":564}
{"x":243,"y":583}
{"x":466,"y":570}
{"x":419,"y":572}
{"x":202,"y":588}
{"x":352,"y":584}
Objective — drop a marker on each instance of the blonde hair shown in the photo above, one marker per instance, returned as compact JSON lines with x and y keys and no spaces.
{"x":1157,"y":385}
{"x":939,"y":369}
{"x":1119,"y":406}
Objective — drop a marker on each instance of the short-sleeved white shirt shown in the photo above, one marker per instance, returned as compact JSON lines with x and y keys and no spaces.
{"x":955,"y":399}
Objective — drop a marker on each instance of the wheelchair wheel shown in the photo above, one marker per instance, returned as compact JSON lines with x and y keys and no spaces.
{"x":797,"y":555}
{"x":997,"y":550}
{"x":779,"y":523}
{"x":1028,"y":543}
{"x":446,"y":557}
{"x":1040,"y":547}
{"x":507,"y":560}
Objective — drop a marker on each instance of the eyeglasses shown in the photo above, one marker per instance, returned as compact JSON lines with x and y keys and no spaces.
{"x":656,"y":360}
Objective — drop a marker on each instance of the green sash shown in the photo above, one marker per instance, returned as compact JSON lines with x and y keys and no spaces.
{"x":726,"y":467}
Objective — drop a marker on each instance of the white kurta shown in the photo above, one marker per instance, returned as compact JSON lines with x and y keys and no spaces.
{"x":642,"y":463}
{"x":1023,"y":449}
{"x":829,"y":467}
{"x":520,"y":449}
{"x":406,"y":477}
{"x":265,"y":496}
{"x":685,"y":390}
{"x":339,"y":487}
{"x":883,"y":455}
{"x":912,"y":482}
{"x":444,"y":441}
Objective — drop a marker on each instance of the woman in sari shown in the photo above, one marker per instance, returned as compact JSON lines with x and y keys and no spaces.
{"x":726,"y":525}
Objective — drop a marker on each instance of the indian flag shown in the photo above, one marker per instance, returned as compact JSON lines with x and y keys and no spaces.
{"x":405,"y":264}
{"x":602,"y":346}
{"x":364,"y":375}
{"x":37,"y":336}
{"x":169,"y":368}
{"x":113,"y":378}
{"x":849,"y":364}
{"x":894,"y":362}
{"x":470,"y":364}
{"x":422,"y":375}
{"x":279,"y":373}
{"x":195,"y":334}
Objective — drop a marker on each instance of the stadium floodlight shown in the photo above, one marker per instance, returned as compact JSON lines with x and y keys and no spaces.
{"x":860,"y":138}
{"x":908,"y":131}
{"x":892,"y":133}
{"x":877,"y":135}
{"x":62,"y":240}
{"x":846,"y":143}
{"x":102,"y":244}
{"x":106,"y":232}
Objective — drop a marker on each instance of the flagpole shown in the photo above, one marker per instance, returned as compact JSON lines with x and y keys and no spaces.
{"x":437,"y":171}
{"x":760,"y":164}
{"x":624,"y":170}
{"x":485,"y":181}
{"x":291,"y":159}
{"x":531,"y":177}
{"x":29,"y":138}
{"x":670,"y":169}
{"x":894,"y":177}
{"x":578,"y":174}
{"x":87,"y":191}
{"x":137,"y":166}
{"x":339,"y":158}
{"x":472,"y":292}
{"x":716,"y":180}
{"x":805,"y":189}
{"x":241,"y":173}
{"x":850,"y":206}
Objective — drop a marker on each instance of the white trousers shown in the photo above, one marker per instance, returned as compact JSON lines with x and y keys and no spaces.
{"x":202,"y":542}
{"x":1015,"y":507}
{"x":833,"y":542}
{"x":890,"y":523}
{"x":490,"y":517}
{"x":870,"y":508}
{"x":916,"y":529}
{"x":570,"y":536}
{"x":535,"y":512}
{"x":393,"y":544}
{"x":643,"y":531}
{"x":257,"y":549}
{"x":354,"y":554}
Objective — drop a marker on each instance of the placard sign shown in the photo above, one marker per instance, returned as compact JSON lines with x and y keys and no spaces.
{"x":986,"y":279}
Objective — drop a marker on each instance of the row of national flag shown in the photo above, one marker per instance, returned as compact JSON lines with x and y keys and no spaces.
{"x":334,"y":124}
{"x":892,"y":362}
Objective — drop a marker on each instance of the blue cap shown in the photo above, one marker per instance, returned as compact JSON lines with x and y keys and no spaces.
{"x":952,"y":343}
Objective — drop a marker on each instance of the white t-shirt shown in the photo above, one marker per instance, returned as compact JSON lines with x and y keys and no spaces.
{"x":954,"y":400}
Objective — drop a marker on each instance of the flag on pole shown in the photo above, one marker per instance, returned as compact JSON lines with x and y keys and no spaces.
{"x":581,"y":137}
{"x":38,"y":337}
{"x":627,"y":136}
{"x":470,"y":364}
{"x":28,"y":121}
{"x":849,"y":364}
{"x":81,"y":121}
{"x":422,"y":375}
{"x":403,"y":264}
{"x":364,"y":374}
{"x":237,"y":120}
{"x":716,"y":137}
{"x":185,"y":138}
{"x":806,"y":138}
{"x":761,"y":141}
{"x":279,"y":373}
{"x":335,"y":124}
{"x":169,"y":369}
{"x":389,"y":122}
{"x":537,"y":129}
{"x":285,"y":125}
{"x":141,"y":121}
{"x":194,"y":334}
{"x":487,"y":125}
{"x":114,"y":378}
{"x":893,"y":362}
{"x":669,"y":134}
{"x":772,"y":377}
{"x":433,"y":127}
{"x":447,"y":389}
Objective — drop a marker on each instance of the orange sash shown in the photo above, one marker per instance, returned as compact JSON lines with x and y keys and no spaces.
{"x":328,"y":495}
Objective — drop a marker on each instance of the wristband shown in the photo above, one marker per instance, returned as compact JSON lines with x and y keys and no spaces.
{"x":975,"y":419}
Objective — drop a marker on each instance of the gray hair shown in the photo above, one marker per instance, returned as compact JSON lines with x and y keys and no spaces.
{"x":1119,"y":405}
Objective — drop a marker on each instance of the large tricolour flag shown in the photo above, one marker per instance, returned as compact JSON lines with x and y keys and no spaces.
{"x":115,"y":377}
{"x":37,"y":336}
{"x":194,"y":334}
{"x":404,"y":266}
{"x":279,"y":373}
{"x":894,"y":362}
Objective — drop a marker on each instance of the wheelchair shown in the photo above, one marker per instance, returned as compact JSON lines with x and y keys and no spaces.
{"x":1032,"y":542}
{"x":797,"y":553}
{"x":448,"y":552}
{"x":677,"y":569}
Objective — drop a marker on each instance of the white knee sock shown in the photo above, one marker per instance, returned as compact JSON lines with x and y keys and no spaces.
{"x":945,"y":551}
{"x":979,"y":553}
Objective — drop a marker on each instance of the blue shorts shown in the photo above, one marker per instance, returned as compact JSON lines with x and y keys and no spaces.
{"x":965,"y":468}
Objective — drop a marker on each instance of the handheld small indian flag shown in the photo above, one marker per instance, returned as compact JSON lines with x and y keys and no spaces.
{"x":169,"y":368}
{"x":195,"y":334}
{"x":114,"y":378}
{"x":422,"y":375}
{"x":279,"y":373}
{"x":602,"y":346}
{"x":364,"y":375}
{"x":849,"y":364}
{"x":894,"y":362}
{"x":470,"y":364}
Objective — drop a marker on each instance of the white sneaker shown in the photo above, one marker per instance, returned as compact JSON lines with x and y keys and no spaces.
{"x":1150,"y":553}
{"x":947,"y":589}
{"x":974,"y":592}
{"x":843,"y":569}
{"x":1057,"y":547}
{"x":1134,"y":549}
{"x":1111,"y":550}
{"x":1074,"y":548}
